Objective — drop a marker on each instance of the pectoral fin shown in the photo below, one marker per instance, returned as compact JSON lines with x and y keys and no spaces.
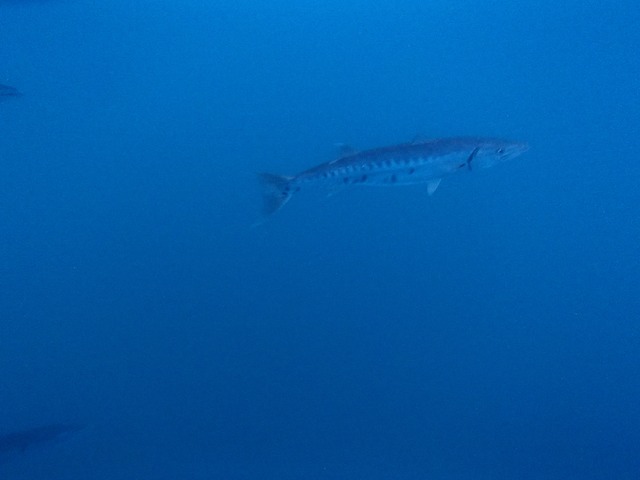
{"x":432,"y":186}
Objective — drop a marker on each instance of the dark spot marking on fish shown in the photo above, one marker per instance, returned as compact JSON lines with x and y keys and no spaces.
{"x":393,"y":179}
{"x":412,"y":171}
{"x":345,"y":179}
{"x":363,"y":178}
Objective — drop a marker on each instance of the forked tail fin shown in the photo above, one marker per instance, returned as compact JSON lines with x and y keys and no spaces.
{"x":276,"y":191}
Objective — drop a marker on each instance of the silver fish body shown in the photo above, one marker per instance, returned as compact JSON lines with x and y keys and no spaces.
{"x":419,"y":162}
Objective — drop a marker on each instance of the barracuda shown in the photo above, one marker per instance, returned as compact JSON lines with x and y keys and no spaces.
{"x":418,"y":162}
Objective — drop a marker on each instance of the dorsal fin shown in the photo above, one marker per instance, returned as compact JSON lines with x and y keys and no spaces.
{"x":419,"y":138}
{"x":344,"y":150}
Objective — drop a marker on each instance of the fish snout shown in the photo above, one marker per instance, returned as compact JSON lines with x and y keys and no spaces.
{"x":514,"y":149}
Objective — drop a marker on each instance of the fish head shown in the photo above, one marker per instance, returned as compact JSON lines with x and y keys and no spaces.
{"x":492,"y":152}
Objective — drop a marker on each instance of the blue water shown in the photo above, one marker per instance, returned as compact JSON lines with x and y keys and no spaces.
{"x":490,"y":331}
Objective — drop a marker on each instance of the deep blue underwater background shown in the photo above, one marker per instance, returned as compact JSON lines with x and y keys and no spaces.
{"x":491,"y":331}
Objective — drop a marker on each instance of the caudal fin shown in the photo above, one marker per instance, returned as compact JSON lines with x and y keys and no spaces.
{"x":276,"y":191}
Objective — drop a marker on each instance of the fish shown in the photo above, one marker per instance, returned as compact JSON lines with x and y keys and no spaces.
{"x":23,"y":439}
{"x":7,"y":92}
{"x":417,"y":162}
